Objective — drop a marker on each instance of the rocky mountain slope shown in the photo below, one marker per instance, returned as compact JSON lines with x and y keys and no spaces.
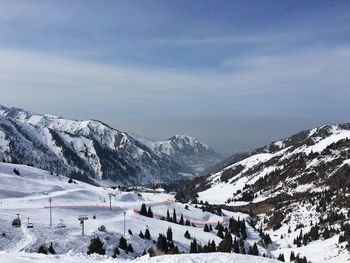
{"x":297,"y":188}
{"x":186,"y":151}
{"x":309,"y":161}
{"x":91,"y":150}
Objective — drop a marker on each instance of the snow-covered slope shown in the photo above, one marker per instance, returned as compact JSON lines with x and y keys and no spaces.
{"x":310,"y":160}
{"x":27,"y":193}
{"x":88,"y":150}
{"x":295,"y":186}
{"x":194,"y":258}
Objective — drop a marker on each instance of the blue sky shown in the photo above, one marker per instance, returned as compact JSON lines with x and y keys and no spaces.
{"x":235,"y":74}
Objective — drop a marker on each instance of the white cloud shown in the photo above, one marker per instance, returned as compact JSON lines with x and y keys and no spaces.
{"x":35,"y":76}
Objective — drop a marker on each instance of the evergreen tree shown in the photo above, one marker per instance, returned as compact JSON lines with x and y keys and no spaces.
{"x":96,"y":246}
{"x":168,"y":218}
{"x":174,"y":216}
{"x":292,"y":256}
{"x":206,"y":228}
{"x":116,"y":252}
{"x":149,"y":212}
{"x":224,"y":246}
{"x":162,"y":243}
{"x":130,"y":232}
{"x":187,"y":235}
{"x":281,"y":257}
{"x":213,"y":246}
{"x":141,"y":235}
{"x":228,"y":237}
{"x":235,"y":246}
{"x":122,"y":243}
{"x":187,"y":222}
{"x":51,"y":249}
{"x":42,"y":249}
{"x":255,"y":250}
{"x":194,"y":246}
{"x":314,"y":233}
{"x":147,"y":234}
{"x":143,"y":210}
{"x":130,"y":248}
{"x":181,"y":222}
{"x":210,"y":228}
{"x":169,"y":234}
{"x":326,"y":233}
{"x":220,"y":233}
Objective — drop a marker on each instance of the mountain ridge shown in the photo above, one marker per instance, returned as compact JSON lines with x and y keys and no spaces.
{"x":89,"y":149}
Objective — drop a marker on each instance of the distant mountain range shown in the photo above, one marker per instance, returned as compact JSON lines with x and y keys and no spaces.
{"x":94,"y":152}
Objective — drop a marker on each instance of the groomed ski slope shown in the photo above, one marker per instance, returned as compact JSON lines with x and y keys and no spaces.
{"x":28,"y":195}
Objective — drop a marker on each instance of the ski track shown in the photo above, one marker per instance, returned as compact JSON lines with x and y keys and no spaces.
{"x":28,"y":240}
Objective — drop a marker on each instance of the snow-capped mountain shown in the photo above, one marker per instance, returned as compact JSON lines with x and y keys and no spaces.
{"x":297,"y":187}
{"x":89,"y":150}
{"x":187,"y":151}
{"x":311,"y":160}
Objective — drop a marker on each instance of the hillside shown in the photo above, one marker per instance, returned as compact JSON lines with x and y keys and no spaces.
{"x":26,"y":191}
{"x":297,"y":187}
{"x":94,"y":152}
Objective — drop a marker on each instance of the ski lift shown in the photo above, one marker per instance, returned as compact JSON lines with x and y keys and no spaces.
{"x":29,"y":224}
{"x":61,"y":224}
{"x":16,"y":222}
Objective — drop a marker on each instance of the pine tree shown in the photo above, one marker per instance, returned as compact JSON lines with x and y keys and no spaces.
{"x":169,"y":234}
{"x":147,"y":234}
{"x":141,"y":235}
{"x":187,"y":235}
{"x":51,"y":249}
{"x":292,"y":256}
{"x":187,"y":222}
{"x":228,"y":237}
{"x":224,"y":246}
{"x":181,"y":222}
{"x":143,"y":210}
{"x":116,"y":252}
{"x":206,"y":228}
{"x":122,"y":243}
{"x":235,"y":246}
{"x":326,"y":233}
{"x":220,"y":233}
{"x":42,"y":249}
{"x":255,"y":250}
{"x":149,"y":212}
{"x":281,"y":257}
{"x":194,"y":246}
{"x":213,"y":246}
{"x":162,"y":243}
{"x":174,"y":216}
{"x":96,"y":246}
{"x":130,"y":248}
{"x":168,"y":218}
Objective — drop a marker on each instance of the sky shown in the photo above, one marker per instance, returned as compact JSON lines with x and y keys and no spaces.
{"x":233,"y":74}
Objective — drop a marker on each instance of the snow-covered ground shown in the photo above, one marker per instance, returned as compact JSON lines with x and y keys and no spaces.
{"x":28,"y":195}
{"x":80,"y":258}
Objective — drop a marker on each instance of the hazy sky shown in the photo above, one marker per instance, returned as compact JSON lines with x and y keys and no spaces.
{"x":235,"y":74}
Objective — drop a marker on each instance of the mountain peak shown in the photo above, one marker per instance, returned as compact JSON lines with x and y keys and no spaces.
{"x":92,"y":150}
